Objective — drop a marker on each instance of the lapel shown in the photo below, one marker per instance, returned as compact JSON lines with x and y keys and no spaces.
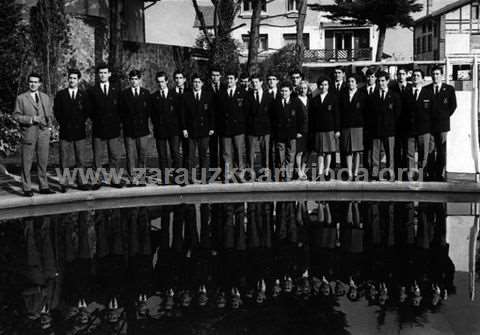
{"x":30,"y":98}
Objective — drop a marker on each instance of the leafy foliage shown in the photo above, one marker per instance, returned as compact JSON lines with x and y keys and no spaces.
{"x":281,"y":62}
{"x":10,"y":135}
{"x":383,"y":13}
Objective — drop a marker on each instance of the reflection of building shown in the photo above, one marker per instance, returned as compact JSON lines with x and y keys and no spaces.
{"x":453,"y":29}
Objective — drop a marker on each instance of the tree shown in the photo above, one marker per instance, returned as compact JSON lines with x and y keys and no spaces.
{"x":299,"y":46}
{"x":382,"y":13}
{"x":254,"y":38}
{"x":48,"y":29}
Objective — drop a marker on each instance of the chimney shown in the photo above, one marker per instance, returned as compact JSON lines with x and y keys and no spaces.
{"x":429,"y":6}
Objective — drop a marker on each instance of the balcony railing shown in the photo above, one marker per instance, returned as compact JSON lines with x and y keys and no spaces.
{"x":337,"y":55}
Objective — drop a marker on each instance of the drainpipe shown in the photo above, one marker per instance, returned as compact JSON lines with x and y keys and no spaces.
{"x":475,"y":136}
{"x":429,"y":6}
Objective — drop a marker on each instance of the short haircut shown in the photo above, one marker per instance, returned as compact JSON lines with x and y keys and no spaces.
{"x":339,"y":68}
{"x":437,"y":68}
{"x":354,"y":76}
{"x":256,"y":75}
{"x":402,"y":68}
{"x":161,"y":74}
{"x":272,"y":74}
{"x":286,"y":84}
{"x":196,"y":76}
{"x":321,"y":80}
{"x":178,"y":71}
{"x":296,"y":71}
{"x":74,"y":71}
{"x":419,"y":71}
{"x":103,"y":66}
{"x":244,"y":75}
{"x":35,"y":75}
{"x":371,"y":72}
{"x":383,"y":74}
{"x":231,"y":73}
{"x":215,"y":69}
{"x":135,"y":73}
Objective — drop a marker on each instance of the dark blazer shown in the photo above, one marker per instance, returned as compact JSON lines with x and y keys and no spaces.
{"x":420,"y":112}
{"x":199,"y":116}
{"x":135,"y":112}
{"x":288,"y":120}
{"x":352,"y":112}
{"x":166,"y":114}
{"x":444,"y":105}
{"x":306,"y":114}
{"x":333,"y":88}
{"x":385,"y":114}
{"x":403,"y":122}
{"x":368,"y":116}
{"x":104,"y":112}
{"x":231,"y":116}
{"x":325,"y":116}
{"x":216,"y":96}
{"x":259,"y":115}
{"x":71,"y":114}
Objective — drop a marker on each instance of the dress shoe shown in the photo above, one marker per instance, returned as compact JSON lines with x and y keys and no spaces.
{"x":117,"y":185}
{"x":28,"y":193}
{"x":46,"y":191}
{"x":63,"y":189}
{"x":96,"y":186}
{"x":84,"y":187}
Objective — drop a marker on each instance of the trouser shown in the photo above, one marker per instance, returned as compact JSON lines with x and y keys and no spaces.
{"x":215,"y":152}
{"x":73,"y":154}
{"x":231,"y":145}
{"x":438,"y":153}
{"x":401,"y":152}
{"x":264,"y":143}
{"x":286,"y":152}
{"x":37,"y":146}
{"x":113,"y":147}
{"x":170,"y":153}
{"x":422,"y":144}
{"x":388,"y":144}
{"x":200,"y":145}
{"x":136,"y":153}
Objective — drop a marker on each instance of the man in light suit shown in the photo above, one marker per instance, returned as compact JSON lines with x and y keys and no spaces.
{"x":33,"y":110}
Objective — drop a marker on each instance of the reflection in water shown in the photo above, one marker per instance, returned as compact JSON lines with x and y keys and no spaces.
{"x":223,"y":268}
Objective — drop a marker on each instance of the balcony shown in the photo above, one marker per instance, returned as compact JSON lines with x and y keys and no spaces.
{"x":337,"y":55}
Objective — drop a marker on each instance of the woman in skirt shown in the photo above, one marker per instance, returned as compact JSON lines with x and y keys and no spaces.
{"x":303,"y":142}
{"x":325,"y":126}
{"x":352,"y":110}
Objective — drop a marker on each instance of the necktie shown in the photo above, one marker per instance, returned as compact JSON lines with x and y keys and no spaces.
{"x":338,"y":87}
{"x":371,"y":91}
{"x":231,"y":94}
{"x":136,"y":92}
{"x":163,"y":94}
{"x":383,"y":94}
{"x":403,"y":89}
{"x":105,"y":89}
{"x":416,"y":94}
{"x":436,"y":89}
{"x":256,"y":97}
{"x":73,"y":95}
{"x":37,"y":98}
{"x":284,"y":102}
{"x":197,"y":97}
{"x":181,"y":90}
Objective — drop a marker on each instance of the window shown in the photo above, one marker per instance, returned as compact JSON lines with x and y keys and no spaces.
{"x":424,"y":28}
{"x":424,"y":44}
{"x":429,"y":43}
{"x":418,"y":45}
{"x":430,"y":26}
{"x":475,"y":12}
{"x":263,"y":45}
{"x":292,"y":39}
{"x":248,"y":5}
{"x":292,"y":5}
{"x":435,"y":30}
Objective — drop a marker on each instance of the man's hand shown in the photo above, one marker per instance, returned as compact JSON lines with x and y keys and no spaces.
{"x":337,"y":134}
{"x":299,"y":135}
{"x":185,"y":133}
{"x":35,"y":119}
{"x":211,"y":132}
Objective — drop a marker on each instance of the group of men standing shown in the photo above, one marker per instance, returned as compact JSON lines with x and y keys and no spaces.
{"x":240,"y":123}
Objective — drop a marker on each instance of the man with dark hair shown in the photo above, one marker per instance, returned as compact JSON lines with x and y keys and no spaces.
{"x":104,"y":112}
{"x":180,"y":89}
{"x":166,"y":118}
{"x":232,"y":122}
{"x":419,"y":107}
{"x":339,"y":84}
{"x":258,"y":109}
{"x":387,"y":107}
{"x":371,"y":90}
{"x":199,"y":116}
{"x":288,"y":125}
{"x":71,"y":111}
{"x":244,"y":82}
{"x":215,"y":88}
{"x":444,"y":105}
{"x":272,"y":83}
{"x":296,"y":76}
{"x":135,"y":111}
{"x":33,"y":111}
{"x":404,"y":90}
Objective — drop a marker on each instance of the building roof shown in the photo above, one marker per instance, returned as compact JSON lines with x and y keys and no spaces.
{"x":207,"y":12}
{"x":446,"y":9}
